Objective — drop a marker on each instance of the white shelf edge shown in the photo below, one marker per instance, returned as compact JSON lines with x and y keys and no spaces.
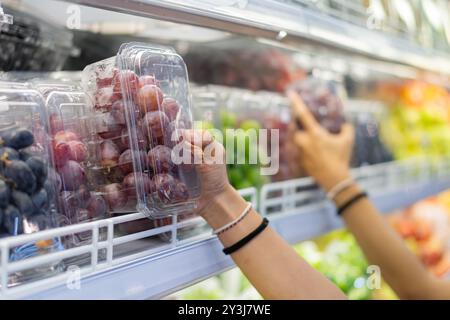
{"x":157,"y":276}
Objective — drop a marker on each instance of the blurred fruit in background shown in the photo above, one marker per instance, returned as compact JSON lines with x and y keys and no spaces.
{"x":419,"y":119}
{"x":265,"y":68}
{"x":339,"y":258}
{"x":425,"y":227}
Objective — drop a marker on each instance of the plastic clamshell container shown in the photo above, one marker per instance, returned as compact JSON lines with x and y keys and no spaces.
{"x":324,"y":98}
{"x":143,"y":93}
{"x":71,"y":141}
{"x":27,"y":184}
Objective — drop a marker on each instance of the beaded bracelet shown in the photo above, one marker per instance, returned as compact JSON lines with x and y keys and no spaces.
{"x":234,"y":222}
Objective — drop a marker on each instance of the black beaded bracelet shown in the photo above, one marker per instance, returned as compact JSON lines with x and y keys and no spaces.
{"x":351,"y":202}
{"x":238,"y":245}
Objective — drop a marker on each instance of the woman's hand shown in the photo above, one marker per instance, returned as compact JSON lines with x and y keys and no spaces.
{"x":209,"y":156}
{"x":324,"y":156}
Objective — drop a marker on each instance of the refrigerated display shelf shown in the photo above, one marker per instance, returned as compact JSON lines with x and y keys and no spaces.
{"x":296,"y":208}
{"x":283,"y":22}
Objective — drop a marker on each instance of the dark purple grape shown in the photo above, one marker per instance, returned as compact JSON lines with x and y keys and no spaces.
{"x":23,"y":202}
{"x":21,"y":175}
{"x":53,"y":182}
{"x":5,"y":193}
{"x":12,"y":220}
{"x":7,"y":153}
{"x":24,"y":155}
{"x":19,"y":139}
{"x":40,"y":200}
{"x":160,"y":159}
{"x":39,"y":168}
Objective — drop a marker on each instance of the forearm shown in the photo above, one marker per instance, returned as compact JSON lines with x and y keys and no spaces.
{"x":383,"y":247}
{"x":270,"y":264}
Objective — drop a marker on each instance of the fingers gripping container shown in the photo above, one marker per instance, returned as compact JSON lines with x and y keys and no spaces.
{"x":27,"y":182}
{"x":142,"y":95}
{"x":70,"y":137}
{"x":324,"y":98}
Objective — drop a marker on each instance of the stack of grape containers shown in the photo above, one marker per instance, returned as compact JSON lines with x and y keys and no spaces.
{"x":140,"y":102}
{"x":27,"y":181}
{"x":71,"y":154}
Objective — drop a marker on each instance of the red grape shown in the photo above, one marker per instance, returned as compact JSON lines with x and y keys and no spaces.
{"x":162,"y":178}
{"x":146,"y":80}
{"x":107,"y":127}
{"x":171,"y":108}
{"x":169,"y":189}
{"x":118,"y":112}
{"x":129,"y":183}
{"x":149,"y":98}
{"x":154,"y":124}
{"x":128,"y":78}
{"x":78,"y":150}
{"x":72,"y":175}
{"x":66,"y":136}
{"x":160,"y":159}
{"x":126,"y":160}
{"x":61,"y":151}
{"x":109,"y":153}
{"x":96,"y":206}
{"x":114,"y":195}
{"x":142,"y":139}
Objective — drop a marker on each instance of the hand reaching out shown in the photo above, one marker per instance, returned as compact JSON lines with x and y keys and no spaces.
{"x":324,"y":156}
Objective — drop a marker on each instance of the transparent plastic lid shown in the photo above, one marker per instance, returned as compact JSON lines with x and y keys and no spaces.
{"x":27,"y":192}
{"x":142,"y":96}
{"x":324,"y":98}
{"x":70,"y":139}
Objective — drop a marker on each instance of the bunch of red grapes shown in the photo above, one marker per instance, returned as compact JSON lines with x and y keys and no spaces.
{"x":77,"y":201}
{"x":153,"y":117}
{"x":323,"y":100}
{"x":265,"y":69}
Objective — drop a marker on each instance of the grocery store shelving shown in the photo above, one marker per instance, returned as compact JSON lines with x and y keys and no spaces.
{"x":291,"y":23}
{"x":296,"y":208}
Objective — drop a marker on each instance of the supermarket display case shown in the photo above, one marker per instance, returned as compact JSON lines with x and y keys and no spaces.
{"x":124,"y":254}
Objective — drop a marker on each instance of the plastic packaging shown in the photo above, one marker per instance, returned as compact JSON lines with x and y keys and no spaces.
{"x":27,"y":184}
{"x":140,"y":100}
{"x":324,"y":98}
{"x":70,"y":137}
{"x":223,"y":62}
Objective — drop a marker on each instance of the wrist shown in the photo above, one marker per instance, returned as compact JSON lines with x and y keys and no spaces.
{"x":224,"y":208}
{"x":327,"y":180}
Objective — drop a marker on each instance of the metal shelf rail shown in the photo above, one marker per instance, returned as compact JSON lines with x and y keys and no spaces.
{"x":116,"y":270}
{"x":283,"y":22}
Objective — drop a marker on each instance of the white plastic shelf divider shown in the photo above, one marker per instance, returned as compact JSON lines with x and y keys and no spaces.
{"x":296,"y":208}
{"x":275,"y":20}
